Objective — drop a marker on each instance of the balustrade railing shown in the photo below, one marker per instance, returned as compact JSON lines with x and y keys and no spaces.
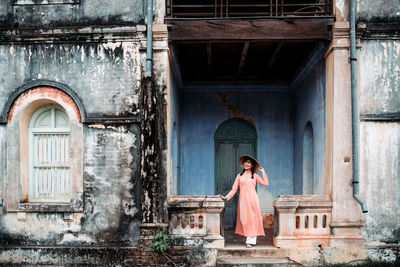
{"x":196,"y":221}
{"x":246,"y":8}
{"x":302,"y":220}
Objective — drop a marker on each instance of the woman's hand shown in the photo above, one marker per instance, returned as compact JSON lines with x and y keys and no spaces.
{"x":262,"y":169}
{"x":222,"y":197}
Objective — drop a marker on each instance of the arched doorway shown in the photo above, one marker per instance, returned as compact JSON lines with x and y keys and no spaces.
{"x":234,"y":137}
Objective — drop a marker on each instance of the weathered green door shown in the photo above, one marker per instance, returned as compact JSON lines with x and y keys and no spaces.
{"x":233,"y":138}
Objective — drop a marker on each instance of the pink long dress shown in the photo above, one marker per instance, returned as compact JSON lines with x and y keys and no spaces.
{"x":249,"y":221}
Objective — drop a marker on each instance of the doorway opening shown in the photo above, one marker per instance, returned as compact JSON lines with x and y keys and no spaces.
{"x":233,"y":138}
{"x":218,"y":111}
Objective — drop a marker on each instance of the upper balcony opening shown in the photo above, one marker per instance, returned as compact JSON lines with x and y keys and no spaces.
{"x":207,"y":9}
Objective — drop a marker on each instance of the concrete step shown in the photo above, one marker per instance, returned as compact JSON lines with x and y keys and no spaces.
{"x":256,"y":251}
{"x":229,"y":261}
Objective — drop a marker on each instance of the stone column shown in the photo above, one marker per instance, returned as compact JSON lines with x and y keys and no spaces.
{"x":346,"y":212}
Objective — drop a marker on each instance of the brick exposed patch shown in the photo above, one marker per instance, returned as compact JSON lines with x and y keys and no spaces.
{"x":45,"y":93}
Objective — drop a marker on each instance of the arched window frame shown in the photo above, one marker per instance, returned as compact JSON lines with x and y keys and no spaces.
{"x":58,"y":148}
{"x":17,"y":151}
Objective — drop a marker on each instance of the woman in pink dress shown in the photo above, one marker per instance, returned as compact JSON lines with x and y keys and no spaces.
{"x":249,"y":222}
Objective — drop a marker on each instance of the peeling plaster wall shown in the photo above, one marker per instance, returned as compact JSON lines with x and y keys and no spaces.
{"x":111,"y":171}
{"x":87,"y":12}
{"x":3,"y":180}
{"x":379,"y":77}
{"x":310,"y":106}
{"x":379,"y":91}
{"x":379,"y":180}
{"x":370,"y":10}
{"x":105,"y":76}
{"x":202,"y":113}
{"x":110,"y":216}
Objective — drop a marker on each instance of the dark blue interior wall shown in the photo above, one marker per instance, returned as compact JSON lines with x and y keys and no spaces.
{"x":310,"y":105}
{"x":175,"y":104}
{"x":202,"y":113}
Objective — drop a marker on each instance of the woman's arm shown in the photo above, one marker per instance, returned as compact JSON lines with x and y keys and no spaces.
{"x":264,"y":180}
{"x":234,"y":189}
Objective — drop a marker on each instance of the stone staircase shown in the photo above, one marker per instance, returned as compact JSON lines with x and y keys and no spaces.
{"x":251,"y":262}
{"x":259,"y":256}
{"x":235,"y":253}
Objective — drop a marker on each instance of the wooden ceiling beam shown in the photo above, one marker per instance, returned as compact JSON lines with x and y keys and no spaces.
{"x":243,"y":58}
{"x":261,"y":29}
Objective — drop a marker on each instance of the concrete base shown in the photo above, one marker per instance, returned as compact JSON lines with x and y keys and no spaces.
{"x":251,"y":261}
{"x":346,"y":241}
{"x":211,"y":241}
{"x":303,"y":241}
{"x":214,"y":241}
{"x":307,"y":256}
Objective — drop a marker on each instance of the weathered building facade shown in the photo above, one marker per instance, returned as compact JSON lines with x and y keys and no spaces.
{"x":109,"y":132}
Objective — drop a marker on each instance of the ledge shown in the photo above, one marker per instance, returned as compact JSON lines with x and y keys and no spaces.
{"x":70,"y":34}
{"x":303,"y":201}
{"x":195,"y":202}
{"x":43,"y":2}
{"x":45,"y":207}
{"x":386,"y":117}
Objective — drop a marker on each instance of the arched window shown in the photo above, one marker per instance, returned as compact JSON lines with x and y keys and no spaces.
{"x":49,"y":175}
{"x":44,"y":153}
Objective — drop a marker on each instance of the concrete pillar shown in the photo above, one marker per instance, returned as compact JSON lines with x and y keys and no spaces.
{"x":153,"y":138}
{"x":285,"y":210}
{"x":346,"y":212}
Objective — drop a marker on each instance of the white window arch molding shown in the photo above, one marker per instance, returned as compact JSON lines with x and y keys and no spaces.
{"x":21,"y":128}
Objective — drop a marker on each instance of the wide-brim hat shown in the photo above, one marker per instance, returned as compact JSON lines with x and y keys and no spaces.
{"x":243,"y":158}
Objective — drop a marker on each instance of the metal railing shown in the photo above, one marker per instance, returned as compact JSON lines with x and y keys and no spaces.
{"x":246,"y":8}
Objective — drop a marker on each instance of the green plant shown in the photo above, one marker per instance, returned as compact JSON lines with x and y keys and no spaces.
{"x":159,"y":245}
{"x":160,"y":241}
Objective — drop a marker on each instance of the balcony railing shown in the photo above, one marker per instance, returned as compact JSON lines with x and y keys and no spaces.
{"x":247,"y":8}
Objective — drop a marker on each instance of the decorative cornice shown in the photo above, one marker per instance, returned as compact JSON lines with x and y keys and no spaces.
{"x":387,"y":117}
{"x":381,"y":31}
{"x":43,"y":2}
{"x":341,"y":36}
{"x":71,"y":34}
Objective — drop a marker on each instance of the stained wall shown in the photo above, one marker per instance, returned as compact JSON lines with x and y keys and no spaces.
{"x":379,"y":94}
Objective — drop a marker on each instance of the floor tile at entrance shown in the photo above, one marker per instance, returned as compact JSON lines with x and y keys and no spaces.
{"x":233,"y":240}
